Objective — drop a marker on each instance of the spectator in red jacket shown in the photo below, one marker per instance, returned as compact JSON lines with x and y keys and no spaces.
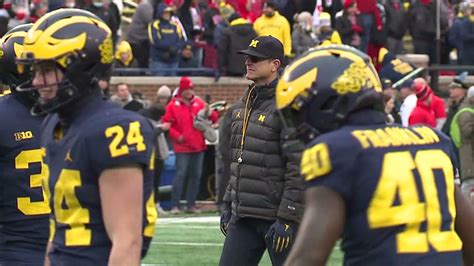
{"x":423,"y":112}
{"x":437,"y":104}
{"x":248,"y":9}
{"x":188,"y":142}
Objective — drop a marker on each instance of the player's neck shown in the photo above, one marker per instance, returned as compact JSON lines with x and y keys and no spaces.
{"x":77,"y":107}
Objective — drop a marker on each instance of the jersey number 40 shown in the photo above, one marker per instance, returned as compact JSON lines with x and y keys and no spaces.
{"x":398,"y":178}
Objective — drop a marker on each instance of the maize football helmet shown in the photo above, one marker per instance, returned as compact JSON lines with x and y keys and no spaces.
{"x":318,"y":91}
{"x":11,"y":47}
{"x":79,"y":44}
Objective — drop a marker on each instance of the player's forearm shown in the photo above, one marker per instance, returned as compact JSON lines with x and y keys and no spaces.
{"x":322,"y":224}
{"x":303,"y":260}
{"x":303,"y":254}
{"x":121,"y":191}
{"x":126,"y":251}
{"x":47,"y":262}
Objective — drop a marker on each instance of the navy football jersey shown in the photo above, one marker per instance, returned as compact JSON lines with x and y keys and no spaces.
{"x":24,"y":208}
{"x":398,"y":187}
{"x":102,"y":136}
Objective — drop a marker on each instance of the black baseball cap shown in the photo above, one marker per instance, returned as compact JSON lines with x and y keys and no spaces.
{"x":265,"y":47}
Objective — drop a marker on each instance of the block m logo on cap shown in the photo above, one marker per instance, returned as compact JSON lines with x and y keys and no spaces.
{"x":254,"y":43}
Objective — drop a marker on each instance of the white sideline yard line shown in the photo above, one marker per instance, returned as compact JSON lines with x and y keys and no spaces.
{"x":177,"y":220}
{"x":213,"y":227}
{"x":188,"y":244}
{"x":337,"y":247}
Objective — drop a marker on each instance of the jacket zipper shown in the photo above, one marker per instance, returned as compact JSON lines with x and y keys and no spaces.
{"x":247,"y":111}
{"x":245,"y":123}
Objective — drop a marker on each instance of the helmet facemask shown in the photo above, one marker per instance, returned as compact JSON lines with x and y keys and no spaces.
{"x":313,"y":116}
{"x":50,"y":77}
{"x":294,"y":119}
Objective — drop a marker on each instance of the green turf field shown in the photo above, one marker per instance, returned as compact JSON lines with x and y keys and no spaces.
{"x":192,"y":240}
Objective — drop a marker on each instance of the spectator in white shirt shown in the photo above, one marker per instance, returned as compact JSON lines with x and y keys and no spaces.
{"x":407,"y":93}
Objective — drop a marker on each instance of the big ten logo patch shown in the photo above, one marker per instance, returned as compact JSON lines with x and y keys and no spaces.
{"x":106,"y":51}
{"x":22,"y":135}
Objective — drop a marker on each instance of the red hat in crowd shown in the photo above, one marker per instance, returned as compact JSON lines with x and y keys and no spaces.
{"x":422,"y":90}
{"x":185,"y":84}
{"x":348,"y":3}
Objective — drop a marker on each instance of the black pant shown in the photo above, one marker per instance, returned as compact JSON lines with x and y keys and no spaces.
{"x":141,"y":52}
{"x":246,"y":242}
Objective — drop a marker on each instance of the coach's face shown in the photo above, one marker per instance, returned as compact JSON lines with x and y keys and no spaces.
{"x":260,"y":68}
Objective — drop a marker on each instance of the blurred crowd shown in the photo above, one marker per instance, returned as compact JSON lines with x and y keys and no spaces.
{"x":166,"y":35}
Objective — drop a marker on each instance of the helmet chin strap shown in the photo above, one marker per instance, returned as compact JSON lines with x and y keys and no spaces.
{"x":28,"y":98}
{"x":301,"y":130}
{"x":66,"y":93}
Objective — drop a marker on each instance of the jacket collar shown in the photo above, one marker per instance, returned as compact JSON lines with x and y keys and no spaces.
{"x":262,"y":92}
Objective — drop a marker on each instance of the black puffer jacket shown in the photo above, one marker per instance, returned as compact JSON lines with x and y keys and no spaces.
{"x":265,"y":180}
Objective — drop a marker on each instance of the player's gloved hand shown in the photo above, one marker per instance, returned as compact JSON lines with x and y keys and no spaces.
{"x":225,"y":219}
{"x":281,"y":235}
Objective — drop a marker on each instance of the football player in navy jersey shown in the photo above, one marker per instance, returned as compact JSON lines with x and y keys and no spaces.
{"x":388,"y":191}
{"x":99,"y":157}
{"x":24,"y":208}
